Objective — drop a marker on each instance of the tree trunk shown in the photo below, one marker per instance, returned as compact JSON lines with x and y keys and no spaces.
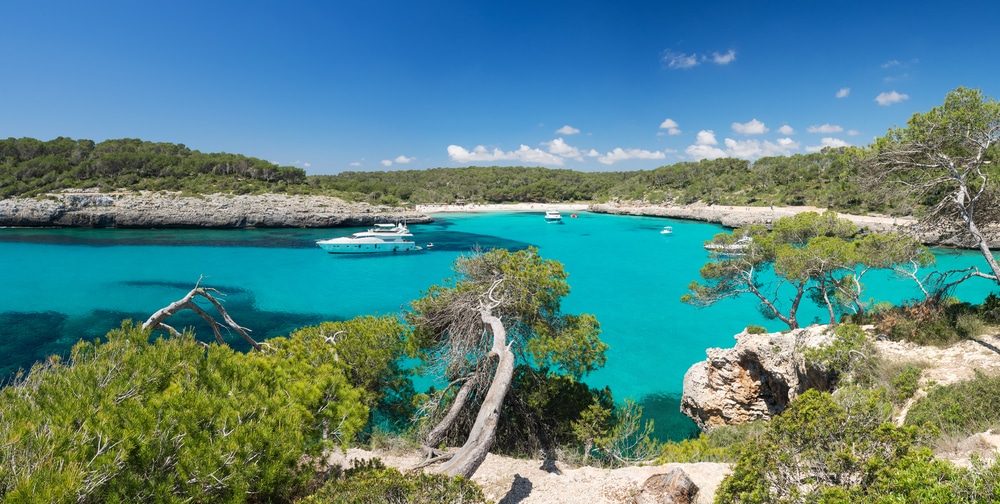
{"x":468,"y":459}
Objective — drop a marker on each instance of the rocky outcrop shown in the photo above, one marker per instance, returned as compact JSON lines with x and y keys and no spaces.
{"x":160,"y":210}
{"x":756,"y":379}
{"x":674,"y":487}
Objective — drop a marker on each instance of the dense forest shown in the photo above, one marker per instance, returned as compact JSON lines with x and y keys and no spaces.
{"x":30,"y":167}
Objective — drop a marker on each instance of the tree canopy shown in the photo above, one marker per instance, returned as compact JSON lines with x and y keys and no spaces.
{"x":819,"y":256}
{"x":944,"y":160}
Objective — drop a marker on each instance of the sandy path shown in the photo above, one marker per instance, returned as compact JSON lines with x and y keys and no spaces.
{"x":508,"y":480}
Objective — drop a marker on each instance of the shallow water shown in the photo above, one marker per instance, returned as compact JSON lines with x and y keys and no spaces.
{"x":58,"y":286}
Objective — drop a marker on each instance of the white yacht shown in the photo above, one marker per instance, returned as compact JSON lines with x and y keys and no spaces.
{"x":553,"y":216}
{"x":733,"y":249}
{"x":381,"y":238}
{"x":667,"y":230}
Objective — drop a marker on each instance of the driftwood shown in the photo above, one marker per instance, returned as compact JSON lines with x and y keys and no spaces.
{"x":156,"y":320}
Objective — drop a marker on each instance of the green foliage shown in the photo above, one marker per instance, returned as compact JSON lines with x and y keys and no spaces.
{"x":29,"y":167}
{"x":756,"y":329}
{"x":369,"y":350}
{"x":531,"y":296}
{"x":928,"y":322}
{"x":616,"y":437}
{"x":721,"y":444}
{"x":824,"y":449}
{"x":170,"y":421}
{"x":905,"y":384}
{"x":372,"y":483}
{"x":851,"y":357}
{"x":816,"y":255}
{"x":962,"y":408}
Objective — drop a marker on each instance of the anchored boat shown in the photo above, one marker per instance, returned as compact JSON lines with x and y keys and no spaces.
{"x":381,"y":238}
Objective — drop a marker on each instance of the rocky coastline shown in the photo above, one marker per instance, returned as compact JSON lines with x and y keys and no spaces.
{"x":93,"y":209}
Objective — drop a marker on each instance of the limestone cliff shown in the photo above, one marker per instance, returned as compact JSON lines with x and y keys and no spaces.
{"x":756,"y":379}
{"x":160,"y":210}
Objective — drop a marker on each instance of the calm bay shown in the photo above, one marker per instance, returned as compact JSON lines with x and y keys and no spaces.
{"x":58,"y":286}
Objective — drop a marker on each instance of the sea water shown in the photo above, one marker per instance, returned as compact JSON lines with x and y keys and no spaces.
{"x":58,"y":286}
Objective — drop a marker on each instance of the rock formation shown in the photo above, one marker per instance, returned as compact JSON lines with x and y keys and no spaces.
{"x":674,"y":487}
{"x":162,"y":210}
{"x":754,"y":380}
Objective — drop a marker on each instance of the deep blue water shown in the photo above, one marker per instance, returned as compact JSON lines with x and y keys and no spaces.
{"x":60,"y":285}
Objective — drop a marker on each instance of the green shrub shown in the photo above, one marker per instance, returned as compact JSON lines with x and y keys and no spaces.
{"x":721,"y":444}
{"x":850,"y":357}
{"x":845,"y":450}
{"x":962,"y":408}
{"x":929,"y":323}
{"x":171,"y":420}
{"x":756,"y":329}
{"x":372,"y":482}
{"x":904,"y":384}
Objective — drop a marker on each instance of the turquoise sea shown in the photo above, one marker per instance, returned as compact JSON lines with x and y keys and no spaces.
{"x":60,"y":285}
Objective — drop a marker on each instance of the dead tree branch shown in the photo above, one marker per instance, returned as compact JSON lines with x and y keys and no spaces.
{"x":156,"y":320}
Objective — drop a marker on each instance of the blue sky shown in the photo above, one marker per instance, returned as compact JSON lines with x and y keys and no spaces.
{"x":343,"y":85}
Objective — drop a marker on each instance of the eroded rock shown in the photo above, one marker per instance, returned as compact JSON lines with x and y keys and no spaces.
{"x":756,"y":379}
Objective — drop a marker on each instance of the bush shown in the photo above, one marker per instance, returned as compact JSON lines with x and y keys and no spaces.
{"x":962,"y":408}
{"x":844,"y":449}
{"x":928,"y":322}
{"x":372,"y":483}
{"x":904,"y":384}
{"x":169,"y":421}
{"x":756,"y":329}
{"x":850,"y":357}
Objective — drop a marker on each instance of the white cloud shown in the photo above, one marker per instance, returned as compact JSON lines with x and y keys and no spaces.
{"x":705,"y":147}
{"x":706,"y":137}
{"x":620,"y":154}
{"x":853,"y":132}
{"x":826,"y":128}
{"x":559,"y":147}
{"x":843,"y":92}
{"x":356,"y":163}
{"x":567,"y":130}
{"x":886,"y":99}
{"x":592,"y":153}
{"x":524,"y":154}
{"x":788,"y":144}
{"x":403,"y":159}
{"x":671,"y":126}
{"x":754,"y":127}
{"x":386,"y":162}
{"x":827,"y":142}
{"x":724,"y":59}
{"x":786,"y":130}
{"x":679,"y":60}
{"x":891,"y":63}
{"x":699,"y":152}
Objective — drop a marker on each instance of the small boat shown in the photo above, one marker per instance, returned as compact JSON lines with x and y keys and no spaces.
{"x":667,"y":230}
{"x":733,"y":249}
{"x":553,"y":216}
{"x":573,"y":216}
{"x":381,"y":238}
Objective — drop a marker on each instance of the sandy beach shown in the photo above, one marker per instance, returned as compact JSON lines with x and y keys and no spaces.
{"x":729,"y":216}
{"x":503,"y":207}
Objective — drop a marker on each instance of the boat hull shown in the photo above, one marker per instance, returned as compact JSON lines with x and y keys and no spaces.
{"x":368,"y":248}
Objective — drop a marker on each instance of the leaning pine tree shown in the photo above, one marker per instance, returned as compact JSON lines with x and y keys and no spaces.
{"x":502,"y":309}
